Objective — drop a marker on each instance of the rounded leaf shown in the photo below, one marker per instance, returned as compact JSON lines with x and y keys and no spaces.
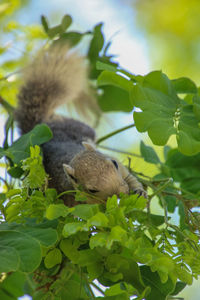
{"x":53,"y":257}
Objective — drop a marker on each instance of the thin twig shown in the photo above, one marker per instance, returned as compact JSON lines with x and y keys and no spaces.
{"x":6,"y":105}
{"x":5,"y":182}
{"x":161,"y":188}
{"x":190,"y":242}
{"x":165,"y":209}
{"x":119,"y":151}
{"x":9,"y":75}
{"x":107,"y":136}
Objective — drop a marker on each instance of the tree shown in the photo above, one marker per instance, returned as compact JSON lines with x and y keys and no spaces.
{"x":51,"y":251}
{"x":172,"y":30}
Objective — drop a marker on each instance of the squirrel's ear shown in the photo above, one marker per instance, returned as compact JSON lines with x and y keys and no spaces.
{"x":68,"y":170}
{"x":88,"y":146}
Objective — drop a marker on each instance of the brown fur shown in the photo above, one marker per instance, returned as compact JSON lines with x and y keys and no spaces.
{"x":55,"y":77}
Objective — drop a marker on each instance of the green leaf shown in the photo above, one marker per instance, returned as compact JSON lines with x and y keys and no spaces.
{"x":96,"y":43}
{"x":171,"y":203}
{"x":15,"y":172}
{"x":115,"y":290}
{"x":114,"y":98}
{"x":9,"y":259}
{"x":117,"y":234}
{"x":45,"y":236}
{"x":158,"y":104}
{"x":113,"y":277}
{"x":5,"y":296}
{"x":178,"y":288}
{"x":25,"y":246}
{"x":98,"y":220}
{"x":99,"y":240}
{"x":33,"y":166}
{"x":87,"y":257}
{"x":71,"y":289}
{"x":85,"y":211}
{"x":184,"y":275}
{"x":164,"y":114}
{"x":184,"y":85}
{"x":53,"y":257}
{"x":51,"y":195}
{"x":184,"y":169}
{"x":71,"y":37}
{"x":111,"y":78}
{"x":13,"y":285}
{"x":20,"y":149}
{"x":188,"y":137}
{"x":111,"y":203}
{"x":164,"y":266}
{"x":44,"y":23}
{"x":66,"y":22}
{"x":128,"y":268}
{"x":72,"y":228}
{"x":143,"y":218}
{"x":159,"y":290}
{"x":132,"y":202}
{"x":166,"y":149}
{"x":69,"y":248}
{"x":149,"y":154}
{"x":55,"y":211}
{"x":95,"y":270}
{"x":55,"y":31}
{"x":106,"y":66}
{"x":196,"y":106}
{"x":2,"y":197}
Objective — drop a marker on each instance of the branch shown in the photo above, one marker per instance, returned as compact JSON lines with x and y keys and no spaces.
{"x":160,"y":189}
{"x":9,"y":75}
{"x":6,"y":105}
{"x":105,"y":137}
{"x":119,"y":151}
{"x":5,"y":182}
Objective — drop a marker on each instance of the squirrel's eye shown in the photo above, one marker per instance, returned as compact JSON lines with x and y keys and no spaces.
{"x":115,"y":164}
{"x":93,"y":191}
{"x":73,"y":178}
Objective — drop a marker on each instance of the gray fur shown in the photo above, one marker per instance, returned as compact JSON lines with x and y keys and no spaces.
{"x":52,"y":79}
{"x":67,"y":142}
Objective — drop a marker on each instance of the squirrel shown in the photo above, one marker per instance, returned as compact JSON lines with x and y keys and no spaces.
{"x":57,"y":76}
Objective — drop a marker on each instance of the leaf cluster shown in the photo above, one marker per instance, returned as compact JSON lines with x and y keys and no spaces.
{"x":118,"y":248}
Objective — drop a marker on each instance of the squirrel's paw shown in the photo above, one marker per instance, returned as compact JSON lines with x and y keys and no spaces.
{"x":141,"y":192}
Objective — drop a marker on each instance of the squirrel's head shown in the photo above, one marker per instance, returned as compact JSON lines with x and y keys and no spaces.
{"x":96,"y":173}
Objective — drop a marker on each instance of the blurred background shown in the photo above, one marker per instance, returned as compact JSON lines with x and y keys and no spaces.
{"x":146,"y":35}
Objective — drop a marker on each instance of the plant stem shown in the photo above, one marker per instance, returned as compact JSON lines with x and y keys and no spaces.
{"x":66,"y":192}
{"x":5,"y":182}
{"x":90,"y":290}
{"x":107,"y":136}
{"x":165,"y":209}
{"x":160,"y":189}
{"x":97,"y":288}
{"x":186,"y":238}
{"x":6,"y":105}
{"x":119,"y":151}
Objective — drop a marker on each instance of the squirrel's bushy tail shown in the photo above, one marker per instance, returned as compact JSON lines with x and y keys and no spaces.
{"x":56,"y":76}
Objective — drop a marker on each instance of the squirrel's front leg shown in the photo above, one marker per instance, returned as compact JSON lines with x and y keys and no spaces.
{"x":133,"y":183}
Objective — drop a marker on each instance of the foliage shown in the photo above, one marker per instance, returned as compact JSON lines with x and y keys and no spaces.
{"x":172,"y":30}
{"x":120,"y":248}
